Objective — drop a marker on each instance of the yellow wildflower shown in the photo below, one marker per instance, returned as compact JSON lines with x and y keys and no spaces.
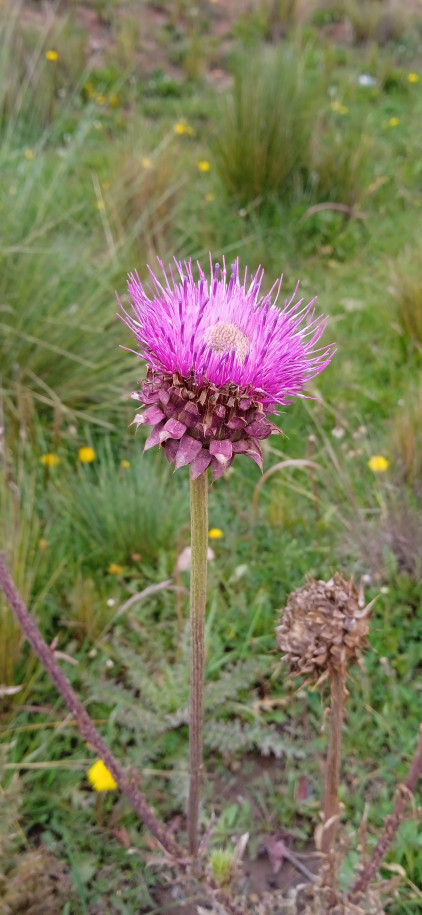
{"x":124,"y":463}
{"x":378,"y":464}
{"x":339,"y":108}
{"x":146,"y":163}
{"x":100,"y":205}
{"x":100,"y":778}
{"x":86,"y":455}
{"x":115,"y":569}
{"x":394,"y":122}
{"x":413,"y":77}
{"x":100,"y":98}
{"x":215,"y":533}
{"x":50,"y":460}
{"x":204,"y":166}
{"x":182,"y":127}
{"x":29,"y":154}
{"x":51,"y":55}
{"x":209,"y":197}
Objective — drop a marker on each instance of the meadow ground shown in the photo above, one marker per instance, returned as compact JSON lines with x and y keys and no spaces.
{"x":287,"y":134}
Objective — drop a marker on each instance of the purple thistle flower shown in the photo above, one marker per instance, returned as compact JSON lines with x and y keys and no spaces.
{"x":220,"y":357}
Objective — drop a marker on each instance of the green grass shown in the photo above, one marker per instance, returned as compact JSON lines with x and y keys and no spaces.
{"x":80,"y":208}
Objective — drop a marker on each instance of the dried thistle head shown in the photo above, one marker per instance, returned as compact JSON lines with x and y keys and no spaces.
{"x":323,"y":627}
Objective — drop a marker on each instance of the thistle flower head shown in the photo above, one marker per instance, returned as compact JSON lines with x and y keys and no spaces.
{"x":323,"y":627}
{"x":220,"y":357}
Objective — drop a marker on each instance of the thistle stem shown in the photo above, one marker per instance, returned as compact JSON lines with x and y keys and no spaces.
{"x":332,"y":775}
{"x":198,"y":591}
{"x":403,"y":796}
{"x":85,"y":724}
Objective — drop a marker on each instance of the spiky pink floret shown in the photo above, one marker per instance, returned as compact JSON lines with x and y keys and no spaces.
{"x":220,"y":357}
{"x":172,"y":329}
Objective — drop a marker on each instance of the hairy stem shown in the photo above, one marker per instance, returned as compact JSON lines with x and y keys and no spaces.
{"x":332,"y":776}
{"x":199,"y":544}
{"x":392,"y":823}
{"x":84,"y":723}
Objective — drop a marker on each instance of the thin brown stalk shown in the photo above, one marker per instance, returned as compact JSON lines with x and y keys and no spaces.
{"x":85,"y":725}
{"x":199,"y":545}
{"x":332,"y":776}
{"x":403,"y":796}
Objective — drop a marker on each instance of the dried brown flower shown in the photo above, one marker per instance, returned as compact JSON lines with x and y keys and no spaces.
{"x":323,"y":627}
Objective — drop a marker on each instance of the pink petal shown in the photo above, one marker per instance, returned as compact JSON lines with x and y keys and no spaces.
{"x":153,"y":415}
{"x":260,"y":428}
{"x":154,"y":438}
{"x":221,"y":450}
{"x":188,"y":449}
{"x":172,"y":429}
{"x":171,"y":448}
{"x":200,"y":464}
{"x":218,"y":469}
{"x":138,"y":420}
{"x":236,"y":422}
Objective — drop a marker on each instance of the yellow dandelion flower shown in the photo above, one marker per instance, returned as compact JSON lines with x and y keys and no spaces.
{"x":209,"y":197}
{"x":394,"y":122}
{"x":413,"y":77}
{"x":100,"y":98}
{"x":86,"y":455}
{"x":183,"y":128}
{"x":100,"y":778}
{"x":204,"y":166}
{"x":378,"y":464}
{"x":215,"y":533}
{"x":50,"y":460}
{"x":51,"y":55}
{"x":115,"y":569}
{"x":146,"y":163}
{"x":124,"y":463}
{"x":29,"y":154}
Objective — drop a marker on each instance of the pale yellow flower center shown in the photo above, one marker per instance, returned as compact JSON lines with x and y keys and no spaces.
{"x":225,"y":336}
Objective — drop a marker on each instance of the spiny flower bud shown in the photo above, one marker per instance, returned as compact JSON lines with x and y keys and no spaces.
{"x":324,"y":627}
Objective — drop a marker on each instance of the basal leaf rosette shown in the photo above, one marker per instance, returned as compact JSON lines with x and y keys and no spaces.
{"x":220,"y":359}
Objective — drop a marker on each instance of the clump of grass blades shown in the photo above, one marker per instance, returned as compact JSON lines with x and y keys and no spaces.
{"x":372,"y":22}
{"x":262,"y":148}
{"x":407,"y":291}
{"x":92,"y":608}
{"x":341,"y":159}
{"x":32,"y":87}
{"x":144,"y":195}
{"x":407,"y":439}
{"x":111,"y":513}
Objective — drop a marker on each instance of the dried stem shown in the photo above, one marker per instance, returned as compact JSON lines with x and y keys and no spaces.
{"x":332,"y":775}
{"x":392,"y":823}
{"x":84,"y":723}
{"x":199,"y":544}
